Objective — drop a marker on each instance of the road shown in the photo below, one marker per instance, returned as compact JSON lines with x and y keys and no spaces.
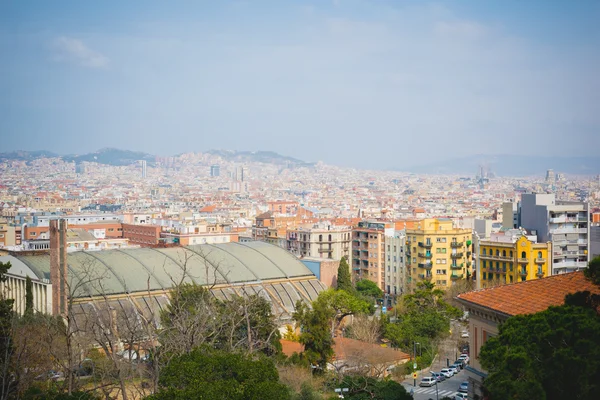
{"x":447,"y":388}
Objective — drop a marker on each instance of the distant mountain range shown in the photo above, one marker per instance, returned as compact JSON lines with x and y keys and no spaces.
{"x":511,"y":165}
{"x":117,"y":157}
{"x":269,"y":157}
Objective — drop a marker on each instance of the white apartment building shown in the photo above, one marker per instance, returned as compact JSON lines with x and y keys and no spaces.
{"x":564,"y":223}
{"x":320,"y":241}
{"x":395,"y":272}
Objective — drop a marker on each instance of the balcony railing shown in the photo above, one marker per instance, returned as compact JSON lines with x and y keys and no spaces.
{"x":456,"y":245}
{"x":457,"y":255}
{"x":523,"y":261}
{"x":568,"y":230}
{"x":456,"y":276}
{"x":540,"y":260}
{"x":453,"y":266}
{"x":493,"y":257}
{"x":540,"y":274}
{"x":468,"y":263}
{"x":468,"y":254}
{"x":425,"y":245}
{"x":425,"y":265}
{"x":425,"y":255}
{"x":523,"y":272}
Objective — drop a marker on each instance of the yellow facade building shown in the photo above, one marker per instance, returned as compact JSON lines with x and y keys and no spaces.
{"x":438,"y":252}
{"x":513,"y":258}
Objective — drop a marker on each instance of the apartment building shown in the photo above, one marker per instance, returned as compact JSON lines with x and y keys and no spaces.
{"x":512,"y":256}
{"x":368,"y":250}
{"x":564,"y":223}
{"x":395,"y":272}
{"x":320,"y":241}
{"x":439,"y":252}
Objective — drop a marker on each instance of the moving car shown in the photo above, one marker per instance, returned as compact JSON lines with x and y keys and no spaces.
{"x":464,"y":387}
{"x":447,"y":372}
{"x":428,"y":381}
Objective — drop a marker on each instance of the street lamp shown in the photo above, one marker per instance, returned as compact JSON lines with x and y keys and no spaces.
{"x":415,"y":360}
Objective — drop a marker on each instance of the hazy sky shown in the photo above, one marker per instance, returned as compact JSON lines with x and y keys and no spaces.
{"x":362,"y":83}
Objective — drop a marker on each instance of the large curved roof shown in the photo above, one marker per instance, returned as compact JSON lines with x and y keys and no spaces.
{"x":229,"y":269}
{"x":143,"y":269}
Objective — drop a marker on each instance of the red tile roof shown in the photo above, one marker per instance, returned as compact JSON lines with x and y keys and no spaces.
{"x":345,"y":348}
{"x":530,"y":297}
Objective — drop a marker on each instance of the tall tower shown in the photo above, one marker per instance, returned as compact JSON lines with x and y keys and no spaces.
{"x":143,"y":164}
{"x":550,"y":177}
{"x":215,"y":170}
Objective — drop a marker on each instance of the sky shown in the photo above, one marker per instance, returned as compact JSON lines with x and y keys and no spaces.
{"x":349,"y":82}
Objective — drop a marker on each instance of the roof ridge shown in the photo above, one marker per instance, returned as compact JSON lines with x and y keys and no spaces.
{"x":521,"y":282}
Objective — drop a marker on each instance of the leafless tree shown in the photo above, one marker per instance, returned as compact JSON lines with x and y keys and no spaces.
{"x":366,"y":329}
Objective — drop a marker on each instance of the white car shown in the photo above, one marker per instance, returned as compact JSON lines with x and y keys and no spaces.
{"x":460,"y":396}
{"x":453,"y":369}
{"x":464,"y":357}
{"x":428,"y":381}
{"x":464,"y":334}
{"x":447,"y":372}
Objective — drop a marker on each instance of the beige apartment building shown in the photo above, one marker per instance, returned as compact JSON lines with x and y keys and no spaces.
{"x":437,"y":251}
{"x":368,"y":251}
{"x":320,"y":241}
{"x":395,"y":273}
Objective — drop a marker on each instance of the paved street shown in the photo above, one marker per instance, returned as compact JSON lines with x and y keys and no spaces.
{"x":447,"y":388}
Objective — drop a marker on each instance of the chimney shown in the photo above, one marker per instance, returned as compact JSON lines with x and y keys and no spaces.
{"x":58,"y":265}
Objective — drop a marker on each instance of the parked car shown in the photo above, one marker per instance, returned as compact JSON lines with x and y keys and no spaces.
{"x":464,"y":357}
{"x":438,"y":376}
{"x":428,"y":381}
{"x":461,"y":362}
{"x":460,"y":396}
{"x":464,"y":387}
{"x":454,"y":369}
{"x":464,"y":334}
{"x":447,"y":372}
{"x":458,"y":365}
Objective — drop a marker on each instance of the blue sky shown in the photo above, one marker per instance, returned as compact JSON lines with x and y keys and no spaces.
{"x":362,"y":83}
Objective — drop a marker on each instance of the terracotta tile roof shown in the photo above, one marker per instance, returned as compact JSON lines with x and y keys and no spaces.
{"x":530,"y":296}
{"x":345,"y":348}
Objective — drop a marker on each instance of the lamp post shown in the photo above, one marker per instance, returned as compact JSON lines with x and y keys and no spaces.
{"x":415,"y":360}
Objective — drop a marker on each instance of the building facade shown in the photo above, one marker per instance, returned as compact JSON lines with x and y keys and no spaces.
{"x":513,"y":257}
{"x":368,"y":251}
{"x":395,"y":272}
{"x":438,"y":252}
{"x":564,"y":223}
{"x":320,"y":241}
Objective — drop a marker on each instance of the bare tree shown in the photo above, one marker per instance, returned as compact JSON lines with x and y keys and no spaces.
{"x":366,"y":328}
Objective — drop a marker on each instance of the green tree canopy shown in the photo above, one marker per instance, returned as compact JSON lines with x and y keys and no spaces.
{"x":369,"y":288}
{"x":550,"y":355}
{"x":344,"y":280}
{"x":316,"y":333}
{"x":215,"y":374}
{"x":366,"y":388}
{"x":592,"y":272}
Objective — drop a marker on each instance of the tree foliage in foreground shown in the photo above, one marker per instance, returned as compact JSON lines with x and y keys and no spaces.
{"x":365,"y":388}
{"x":550,"y":355}
{"x":214,"y":375}
{"x":344,"y":280}
{"x":369,"y":288}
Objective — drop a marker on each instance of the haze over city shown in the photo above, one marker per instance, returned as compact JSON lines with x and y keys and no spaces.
{"x":396,"y":82}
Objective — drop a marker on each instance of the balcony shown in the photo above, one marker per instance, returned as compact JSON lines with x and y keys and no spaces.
{"x":456,"y":245}
{"x":523,"y":261}
{"x":568,"y":230}
{"x":425,"y":255}
{"x":523,"y":272}
{"x":425,"y":265}
{"x":569,"y":264}
{"x":325,"y":250}
{"x":454,"y":276}
{"x":539,"y":274}
{"x":468,"y":263}
{"x":456,"y":266}
{"x":468,"y":254}
{"x":457,"y":255}
{"x":540,"y":260}
{"x":425,"y":245}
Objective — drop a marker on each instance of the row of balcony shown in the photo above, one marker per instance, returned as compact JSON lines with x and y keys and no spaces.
{"x":568,"y":219}
{"x":568,"y":230}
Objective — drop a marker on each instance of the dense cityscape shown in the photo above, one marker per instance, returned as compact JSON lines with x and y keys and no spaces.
{"x":300,"y":200}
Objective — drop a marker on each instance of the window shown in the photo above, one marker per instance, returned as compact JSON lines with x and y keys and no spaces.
{"x":484,"y":264}
{"x":444,"y":261}
{"x":440,"y":250}
{"x":438,"y":261}
{"x":497,"y":253}
{"x":329,"y":238}
{"x":523,"y":255}
{"x":483,"y":276}
{"x":484,"y":251}
{"x":320,"y":238}
{"x":503,"y":253}
{"x":441,"y":272}
{"x":511,"y":254}
{"x":539,"y":254}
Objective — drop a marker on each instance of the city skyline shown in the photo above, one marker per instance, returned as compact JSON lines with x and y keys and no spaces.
{"x":332,"y":81}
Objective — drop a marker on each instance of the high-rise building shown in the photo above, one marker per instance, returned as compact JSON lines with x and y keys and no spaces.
{"x":215,"y":170}
{"x":143,"y":164}
{"x":513,"y":256}
{"x":368,"y":250}
{"x":438,"y":252}
{"x":564,"y":223}
{"x":550,"y":177}
{"x":395,"y":271}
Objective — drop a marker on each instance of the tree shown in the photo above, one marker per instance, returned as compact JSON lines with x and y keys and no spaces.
{"x":344,"y":280}
{"x":7,"y":384}
{"x":210,"y":374}
{"x":315,"y":332}
{"x":341,"y":304}
{"x":553,"y":354}
{"x":28,"y":296}
{"x":369,"y":289}
{"x":592,"y":272}
{"x":365,"y":388}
